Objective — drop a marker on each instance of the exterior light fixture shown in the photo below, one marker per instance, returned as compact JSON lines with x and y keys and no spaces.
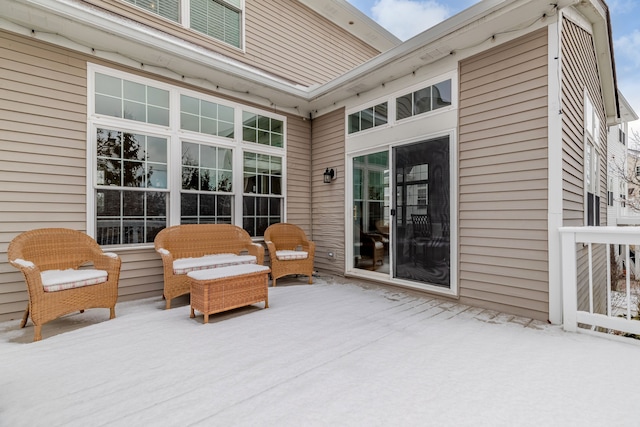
{"x":329,"y":175}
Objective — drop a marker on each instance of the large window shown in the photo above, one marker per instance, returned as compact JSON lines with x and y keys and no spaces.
{"x":131,"y":184}
{"x":220,"y":19}
{"x":163,"y":155}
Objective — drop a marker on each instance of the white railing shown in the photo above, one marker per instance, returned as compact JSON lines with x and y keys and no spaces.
{"x":620,"y":303}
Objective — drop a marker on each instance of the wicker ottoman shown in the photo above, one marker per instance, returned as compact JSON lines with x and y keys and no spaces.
{"x":225,"y":288}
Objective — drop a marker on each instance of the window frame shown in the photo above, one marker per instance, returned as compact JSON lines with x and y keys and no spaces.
{"x":591,"y":163}
{"x":175,"y":137}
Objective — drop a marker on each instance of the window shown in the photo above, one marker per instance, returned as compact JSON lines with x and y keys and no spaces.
{"x":207,"y":176}
{"x":424,"y":100}
{"x":219,"y":19}
{"x":368,"y":118}
{"x":131,"y":184}
{"x":169,"y":9}
{"x":206,"y":117}
{"x":592,"y":163}
{"x":129,"y":100}
{"x":262,"y":200}
{"x":262,"y":130}
{"x":197,"y":160}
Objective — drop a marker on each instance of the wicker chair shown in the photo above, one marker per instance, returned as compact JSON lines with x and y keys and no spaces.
{"x":46,"y":250}
{"x":289,"y":250}
{"x":197,"y":240}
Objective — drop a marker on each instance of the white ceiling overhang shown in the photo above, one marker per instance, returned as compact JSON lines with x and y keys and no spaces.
{"x":76,"y":25}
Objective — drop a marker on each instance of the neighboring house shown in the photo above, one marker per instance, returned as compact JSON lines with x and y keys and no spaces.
{"x":462,"y":150}
{"x":622,"y":172}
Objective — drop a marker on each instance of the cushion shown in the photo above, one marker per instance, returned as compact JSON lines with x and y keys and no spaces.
{"x":289,"y":255}
{"x":185,"y":265}
{"x":58,"y":280}
{"x":229,"y":271}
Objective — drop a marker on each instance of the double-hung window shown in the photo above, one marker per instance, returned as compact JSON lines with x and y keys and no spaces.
{"x":162,"y":155}
{"x":592,"y":163}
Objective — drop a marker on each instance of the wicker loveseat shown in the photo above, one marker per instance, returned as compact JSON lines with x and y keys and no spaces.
{"x":191,"y":247}
{"x":65,"y":271}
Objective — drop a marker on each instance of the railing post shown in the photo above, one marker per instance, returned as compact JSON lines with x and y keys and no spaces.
{"x":569,"y":281}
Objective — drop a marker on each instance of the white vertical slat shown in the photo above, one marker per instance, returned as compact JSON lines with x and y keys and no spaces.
{"x":569,"y":282}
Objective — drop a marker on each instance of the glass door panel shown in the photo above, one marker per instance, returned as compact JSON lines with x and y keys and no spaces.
{"x":421,"y":242}
{"x":371,"y":205}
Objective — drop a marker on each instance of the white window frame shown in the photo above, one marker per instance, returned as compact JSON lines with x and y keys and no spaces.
{"x":175,"y":136}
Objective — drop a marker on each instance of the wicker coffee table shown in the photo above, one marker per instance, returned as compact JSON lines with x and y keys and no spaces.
{"x":225,"y":288}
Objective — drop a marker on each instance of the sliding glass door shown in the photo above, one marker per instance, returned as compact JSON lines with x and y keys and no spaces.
{"x":421,"y":224}
{"x":371,"y":212}
{"x":404,"y":233}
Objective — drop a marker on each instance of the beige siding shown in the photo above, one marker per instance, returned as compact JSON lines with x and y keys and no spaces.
{"x":503,"y":178}
{"x":328,"y":199}
{"x":43,"y":161}
{"x":580,"y":71}
{"x":42,"y":149}
{"x":283,"y":37}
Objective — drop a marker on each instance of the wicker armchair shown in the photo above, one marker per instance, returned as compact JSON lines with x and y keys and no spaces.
{"x":197,"y":240}
{"x":52,"y":251}
{"x":289,"y":250}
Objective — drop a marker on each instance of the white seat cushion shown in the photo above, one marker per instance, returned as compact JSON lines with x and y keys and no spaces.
{"x":230,"y":271}
{"x":185,"y":265}
{"x":289,"y":255}
{"x":58,"y":280}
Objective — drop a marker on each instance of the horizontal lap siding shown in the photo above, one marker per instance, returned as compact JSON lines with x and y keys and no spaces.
{"x":283,"y":37}
{"x":503,"y":178}
{"x":580,"y":71}
{"x":328,"y":141}
{"x":42,"y":149}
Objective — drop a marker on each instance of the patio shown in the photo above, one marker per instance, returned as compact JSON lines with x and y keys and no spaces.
{"x":332,"y":353}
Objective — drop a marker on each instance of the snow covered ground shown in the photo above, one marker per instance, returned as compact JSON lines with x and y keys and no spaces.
{"x":322,"y":354}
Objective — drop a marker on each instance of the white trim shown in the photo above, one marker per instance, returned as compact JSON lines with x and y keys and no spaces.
{"x":555,"y":167}
{"x":388,"y":278}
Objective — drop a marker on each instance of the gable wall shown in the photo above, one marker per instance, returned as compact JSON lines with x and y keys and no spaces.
{"x":580,"y":71}
{"x":503,"y":149}
{"x":283,"y":37}
{"x":43,"y":124}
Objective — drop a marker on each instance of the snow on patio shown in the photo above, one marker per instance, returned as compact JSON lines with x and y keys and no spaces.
{"x":323,"y":354}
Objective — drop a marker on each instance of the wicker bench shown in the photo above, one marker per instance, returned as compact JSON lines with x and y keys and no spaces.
{"x":192,"y":247}
{"x":225,"y":288}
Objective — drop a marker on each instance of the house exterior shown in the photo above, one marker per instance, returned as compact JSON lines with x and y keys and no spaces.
{"x":619,"y":160}
{"x":457,"y":154}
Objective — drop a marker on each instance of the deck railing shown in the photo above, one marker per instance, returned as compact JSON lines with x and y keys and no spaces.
{"x":622,"y":296}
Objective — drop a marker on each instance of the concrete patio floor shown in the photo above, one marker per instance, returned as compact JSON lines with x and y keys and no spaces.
{"x":337,"y":352}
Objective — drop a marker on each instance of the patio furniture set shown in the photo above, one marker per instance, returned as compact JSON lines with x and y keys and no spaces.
{"x":217,"y":264}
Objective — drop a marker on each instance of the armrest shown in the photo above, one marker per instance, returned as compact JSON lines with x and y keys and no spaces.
{"x":257,"y":250}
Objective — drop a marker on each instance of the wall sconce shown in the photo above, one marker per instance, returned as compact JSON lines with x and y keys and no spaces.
{"x":329,"y":175}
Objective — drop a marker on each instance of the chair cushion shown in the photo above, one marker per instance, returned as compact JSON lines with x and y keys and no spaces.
{"x":58,"y":280}
{"x":229,"y":271}
{"x":185,"y":265}
{"x":289,"y":255}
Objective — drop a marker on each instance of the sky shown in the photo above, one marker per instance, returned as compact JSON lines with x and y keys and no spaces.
{"x":406,"y":18}
{"x":327,"y":354}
